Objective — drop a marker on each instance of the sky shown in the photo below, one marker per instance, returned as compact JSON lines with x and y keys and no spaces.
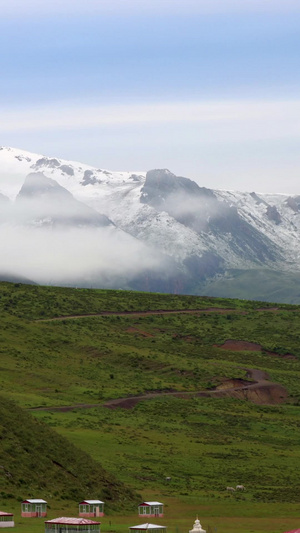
{"x":206,"y":88}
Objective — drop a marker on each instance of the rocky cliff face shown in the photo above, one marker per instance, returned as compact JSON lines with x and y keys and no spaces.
{"x":200,"y":210}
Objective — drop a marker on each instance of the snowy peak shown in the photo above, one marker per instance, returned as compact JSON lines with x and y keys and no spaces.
{"x":161,"y":184}
{"x":78,"y":178}
{"x":42,"y":201}
{"x":200,"y":210}
{"x":200,"y":233}
{"x":37,"y":185}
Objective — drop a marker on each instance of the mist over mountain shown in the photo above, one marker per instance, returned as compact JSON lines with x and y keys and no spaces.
{"x":43,"y":201}
{"x":64,"y":222}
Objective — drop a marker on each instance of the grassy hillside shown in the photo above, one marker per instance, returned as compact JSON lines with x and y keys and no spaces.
{"x":203,"y":443}
{"x":36,"y":460}
{"x":35,"y":302}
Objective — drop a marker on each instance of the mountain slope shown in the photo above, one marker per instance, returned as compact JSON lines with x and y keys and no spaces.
{"x":70,"y":369}
{"x":42,"y":201}
{"x":35,"y":459}
{"x":196,"y":235}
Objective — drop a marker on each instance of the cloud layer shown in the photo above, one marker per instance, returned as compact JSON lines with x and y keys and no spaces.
{"x":252,"y":119}
{"x":100,"y":257}
{"x":207,"y":88}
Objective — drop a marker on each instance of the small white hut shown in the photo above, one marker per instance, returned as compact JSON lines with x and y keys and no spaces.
{"x":6,"y":519}
{"x":197,"y":528}
{"x":151,"y":509}
{"x":33,"y":507}
{"x":91,"y":508}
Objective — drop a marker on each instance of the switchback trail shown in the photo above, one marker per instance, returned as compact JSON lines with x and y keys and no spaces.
{"x":260,"y":391}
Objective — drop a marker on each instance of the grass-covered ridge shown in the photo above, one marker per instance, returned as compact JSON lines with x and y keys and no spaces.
{"x":204,"y":444}
{"x":35,"y":460}
{"x":94,"y":359}
{"x":28,"y":301}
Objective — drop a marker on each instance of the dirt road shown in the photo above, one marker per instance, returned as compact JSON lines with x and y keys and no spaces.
{"x":260,"y":391}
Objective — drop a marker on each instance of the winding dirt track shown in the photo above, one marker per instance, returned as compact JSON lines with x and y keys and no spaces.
{"x":158,"y":312}
{"x":260,"y":390}
{"x":141,"y":313}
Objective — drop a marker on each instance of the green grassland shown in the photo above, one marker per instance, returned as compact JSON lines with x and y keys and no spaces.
{"x":203,"y":444}
{"x":34,"y":458}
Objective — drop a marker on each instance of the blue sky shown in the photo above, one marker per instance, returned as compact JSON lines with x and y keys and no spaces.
{"x":209,"y":89}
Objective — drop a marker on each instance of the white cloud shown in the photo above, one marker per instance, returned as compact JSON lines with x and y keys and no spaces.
{"x":227,"y":120}
{"x":57,"y":256}
{"x":245,"y":145}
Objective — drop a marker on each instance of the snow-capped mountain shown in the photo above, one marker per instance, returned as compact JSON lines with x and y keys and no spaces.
{"x":201,"y":236}
{"x":42,"y":201}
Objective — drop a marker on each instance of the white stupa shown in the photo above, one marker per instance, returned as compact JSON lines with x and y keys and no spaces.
{"x":197,"y":528}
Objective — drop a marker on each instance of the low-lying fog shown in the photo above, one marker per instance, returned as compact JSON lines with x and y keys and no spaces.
{"x":99,"y":256}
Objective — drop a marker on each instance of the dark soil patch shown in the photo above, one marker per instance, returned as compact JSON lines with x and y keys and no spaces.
{"x":282,"y":356}
{"x":139,"y":332}
{"x":238,"y":345}
{"x":92,"y":352}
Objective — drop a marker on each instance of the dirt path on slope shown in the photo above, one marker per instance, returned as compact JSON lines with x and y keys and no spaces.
{"x":141,"y":313}
{"x":261,"y":391}
{"x":159,"y":312}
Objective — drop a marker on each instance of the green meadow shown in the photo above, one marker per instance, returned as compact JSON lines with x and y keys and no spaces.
{"x":204,"y":444}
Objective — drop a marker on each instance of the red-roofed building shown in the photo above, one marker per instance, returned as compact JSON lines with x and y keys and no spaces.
{"x":33,"y":508}
{"x":293,"y":531}
{"x":151,"y":509}
{"x":91,"y":508}
{"x":6,"y":519}
{"x":66,"y":524}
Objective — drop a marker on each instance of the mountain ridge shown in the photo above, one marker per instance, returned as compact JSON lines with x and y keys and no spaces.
{"x":196,"y":234}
